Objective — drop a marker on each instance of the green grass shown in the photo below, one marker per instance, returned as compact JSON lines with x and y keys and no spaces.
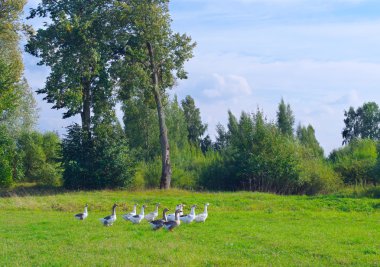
{"x":242,"y":229}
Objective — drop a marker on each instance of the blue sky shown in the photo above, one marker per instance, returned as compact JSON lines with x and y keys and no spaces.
{"x":321,"y":56}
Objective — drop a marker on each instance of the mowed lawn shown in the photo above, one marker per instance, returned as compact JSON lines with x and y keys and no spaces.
{"x":242,"y":229}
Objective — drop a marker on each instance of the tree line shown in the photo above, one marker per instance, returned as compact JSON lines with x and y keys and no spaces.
{"x":104,"y":53}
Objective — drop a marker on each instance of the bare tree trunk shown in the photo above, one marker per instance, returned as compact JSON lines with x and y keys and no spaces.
{"x":166,"y":173}
{"x":86,"y":111}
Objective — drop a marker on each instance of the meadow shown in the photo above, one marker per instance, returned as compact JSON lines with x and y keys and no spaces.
{"x":243,"y":229}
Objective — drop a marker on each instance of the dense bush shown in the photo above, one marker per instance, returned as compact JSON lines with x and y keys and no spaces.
{"x":187,"y":163}
{"x":357,"y":161}
{"x":40,"y":156}
{"x":102,"y":161}
{"x":6,"y":179}
{"x":257,"y":156}
{"x":7,"y":158}
{"x":318,"y":176}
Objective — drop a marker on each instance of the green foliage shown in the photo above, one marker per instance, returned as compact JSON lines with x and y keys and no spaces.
{"x":23,"y":116}
{"x":40,"y":155}
{"x":176,"y":123}
{"x":195,"y":127}
{"x":285,"y":119}
{"x":306,"y":136}
{"x":362,"y":123}
{"x":7,"y":155}
{"x":317,"y":176}
{"x":187,"y":159}
{"x":6,"y":179}
{"x":357,"y":161}
{"x":74,"y":46}
{"x":257,"y":156}
{"x":106,"y":162}
{"x":147,"y":173}
{"x":11,"y":66}
{"x":150,"y":60}
{"x":140,"y":127}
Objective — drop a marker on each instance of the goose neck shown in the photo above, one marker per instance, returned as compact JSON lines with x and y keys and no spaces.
{"x":192,"y":212}
{"x":142,"y":211}
{"x":205,"y":209}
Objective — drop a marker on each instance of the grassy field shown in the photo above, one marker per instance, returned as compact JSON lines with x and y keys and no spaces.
{"x":242,"y":229}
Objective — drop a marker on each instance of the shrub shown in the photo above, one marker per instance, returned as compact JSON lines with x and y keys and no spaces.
{"x":356,"y":162}
{"x":104,"y":161}
{"x":5,"y":171}
{"x":256,"y":156}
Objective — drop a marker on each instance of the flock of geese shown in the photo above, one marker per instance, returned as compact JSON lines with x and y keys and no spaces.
{"x":168,"y":221}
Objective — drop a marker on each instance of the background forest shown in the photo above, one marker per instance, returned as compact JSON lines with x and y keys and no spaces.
{"x":108,"y":53}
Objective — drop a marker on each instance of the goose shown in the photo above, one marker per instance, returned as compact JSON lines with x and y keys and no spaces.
{"x":158,"y":224}
{"x":129,"y":215}
{"x":151,"y":216}
{"x":82,"y":216}
{"x":171,"y":217}
{"x":202,"y":216}
{"x":173,"y":224}
{"x":138,"y":218}
{"x":109,"y":220}
{"x":189,"y":217}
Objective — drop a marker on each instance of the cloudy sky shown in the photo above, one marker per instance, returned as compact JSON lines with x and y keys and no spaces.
{"x":321,"y":56}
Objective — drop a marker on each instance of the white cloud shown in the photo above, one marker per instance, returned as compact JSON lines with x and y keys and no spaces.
{"x":228,"y":85}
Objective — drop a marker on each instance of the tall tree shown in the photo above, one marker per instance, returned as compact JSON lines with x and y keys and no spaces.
{"x":11,"y":66}
{"x":195,"y":127}
{"x":285,"y":118}
{"x":364,"y":122}
{"x":152,"y":59}
{"x":74,"y":44}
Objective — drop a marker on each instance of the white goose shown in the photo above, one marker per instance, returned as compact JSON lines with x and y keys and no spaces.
{"x":157,"y":224}
{"x":82,"y":216}
{"x":173,"y":224}
{"x":129,"y":215}
{"x":138,"y":218}
{"x":109,"y":220}
{"x":171,"y":217}
{"x":202,"y":216}
{"x":151,"y":216}
{"x":189,"y":217}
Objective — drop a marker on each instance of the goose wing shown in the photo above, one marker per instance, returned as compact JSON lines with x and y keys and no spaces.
{"x":107,"y":218}
{"x":128,"y":216}
{"x":170,"y":225}
{"x":200,"y":217}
